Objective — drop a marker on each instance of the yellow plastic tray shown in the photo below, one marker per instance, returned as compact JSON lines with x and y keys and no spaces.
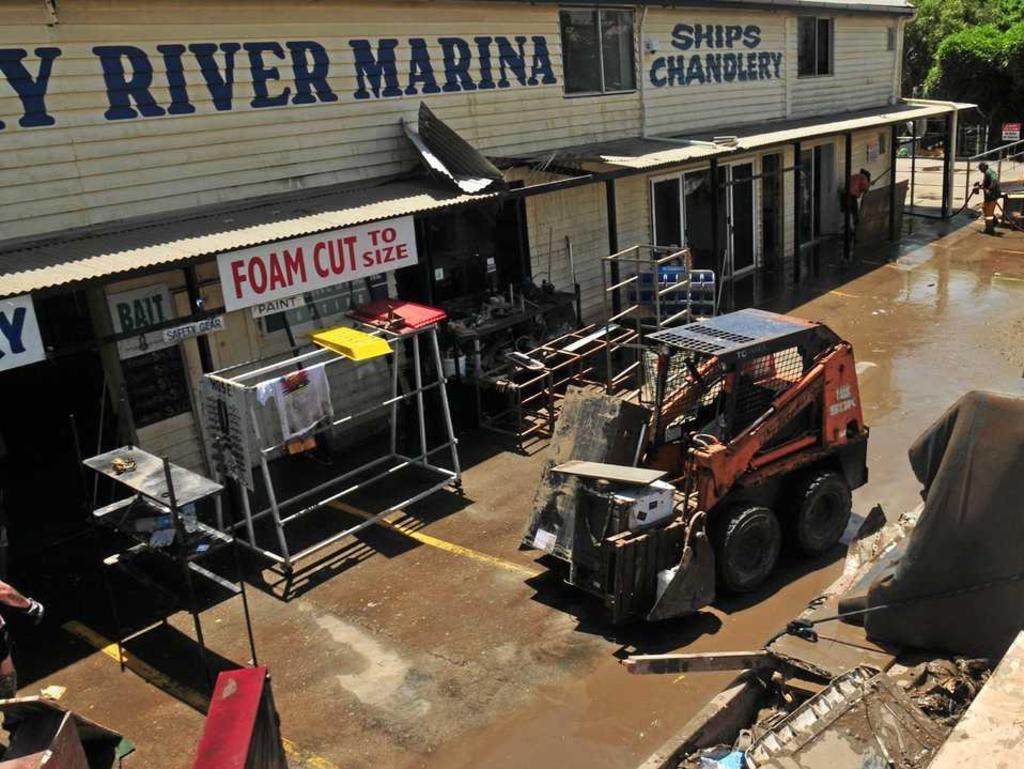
{"x":353,"y":344}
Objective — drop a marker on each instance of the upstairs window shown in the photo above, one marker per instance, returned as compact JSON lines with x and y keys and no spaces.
{"x":597,"y":50}
{"x":890,"y":39}
{"x":814,"y":46}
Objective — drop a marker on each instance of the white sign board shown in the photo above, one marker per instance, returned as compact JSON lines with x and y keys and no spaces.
{"x":279,"y":270}
{"x":134,"y":312}
{"x":198,"y":328}
{"x":20,"y":342}
{"x":263,"y":309}
{"x":1011,"y":132}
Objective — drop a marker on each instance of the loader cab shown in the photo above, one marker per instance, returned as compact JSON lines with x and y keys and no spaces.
{"x":719,"y":376}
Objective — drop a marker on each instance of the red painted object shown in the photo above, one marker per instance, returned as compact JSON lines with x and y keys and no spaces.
{"x":384,"y":313}
{"x":242,"y":730}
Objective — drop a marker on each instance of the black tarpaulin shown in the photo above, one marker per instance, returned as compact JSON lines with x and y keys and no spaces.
{"x":969,"y":537}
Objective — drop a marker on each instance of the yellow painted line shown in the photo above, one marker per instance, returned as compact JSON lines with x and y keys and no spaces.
{"x":144,"y":670}
{"x":679,"y":678}
{"x":440,"y":544}
{"x":842,"y":293}
{"x":186,"y":694}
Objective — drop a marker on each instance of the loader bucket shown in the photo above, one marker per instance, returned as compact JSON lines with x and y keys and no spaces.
{"x":693,"y":585}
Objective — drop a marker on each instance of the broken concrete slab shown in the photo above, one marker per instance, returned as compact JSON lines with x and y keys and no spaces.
{"x":990,"y":731}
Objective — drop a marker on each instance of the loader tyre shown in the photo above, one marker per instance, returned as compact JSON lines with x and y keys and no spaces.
{"x":748,"y":539}
{"x":820,"y":514}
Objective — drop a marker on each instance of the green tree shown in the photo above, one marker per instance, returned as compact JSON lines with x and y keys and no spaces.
{"x":983,"y":65}
{"x":937,"y":20}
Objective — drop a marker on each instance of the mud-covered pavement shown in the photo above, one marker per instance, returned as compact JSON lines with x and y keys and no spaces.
{"x":409,"y":652}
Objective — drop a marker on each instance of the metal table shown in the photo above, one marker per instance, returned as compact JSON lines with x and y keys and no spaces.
{"x":161,"y":491}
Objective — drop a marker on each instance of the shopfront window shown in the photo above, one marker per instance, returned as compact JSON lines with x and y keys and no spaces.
{"x":598,"y":50}
{"x":325,"y":307}
{"x":814,"y":46}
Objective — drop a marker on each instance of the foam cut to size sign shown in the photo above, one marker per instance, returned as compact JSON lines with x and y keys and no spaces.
{"x":264,"y":274}
{"x":20,"y":341}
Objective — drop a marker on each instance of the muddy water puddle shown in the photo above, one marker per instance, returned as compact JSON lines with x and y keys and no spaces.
{"x":946,"y":318}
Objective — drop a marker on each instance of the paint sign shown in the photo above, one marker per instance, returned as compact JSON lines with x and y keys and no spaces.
{"x":173,"y":78}
{"x":198,"y":328}
{"x":1011,"y":132}
{"x":132,"y":312}
{"x":716,"y":54}
{"x":20,"y":341}
{"x":263,"y":309}
{"x":264,"y":274}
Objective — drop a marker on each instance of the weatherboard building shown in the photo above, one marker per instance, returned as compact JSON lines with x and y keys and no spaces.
{"x":188,"y":185}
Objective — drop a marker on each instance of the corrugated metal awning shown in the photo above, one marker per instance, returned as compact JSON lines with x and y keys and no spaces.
{"x":784,"y":132}
{"x":144,"y":244}
{"x":645,"y":154}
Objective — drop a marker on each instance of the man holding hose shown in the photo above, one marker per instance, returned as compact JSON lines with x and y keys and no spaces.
{"x":989,"y":184}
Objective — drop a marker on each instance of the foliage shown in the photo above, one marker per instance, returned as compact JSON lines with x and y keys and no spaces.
{"x":983,"y":65}
{"x":937,"y":20}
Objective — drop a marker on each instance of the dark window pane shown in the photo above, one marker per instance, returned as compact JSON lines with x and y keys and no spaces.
{"x":806,"y":53}
{"x":824,"y":46}
{"x":667,"y":227}
{"x":617,"y":48}
{"x":580,"y":52}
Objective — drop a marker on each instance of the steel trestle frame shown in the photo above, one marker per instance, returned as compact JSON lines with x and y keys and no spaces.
{"x":334,"y":489}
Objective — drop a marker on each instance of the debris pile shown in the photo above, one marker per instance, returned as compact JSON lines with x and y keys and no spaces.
{"x":944,"y":688}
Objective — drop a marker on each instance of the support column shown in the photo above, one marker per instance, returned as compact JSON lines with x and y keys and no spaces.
{"x":195,"y":304}
{"x":797,"y":192}
{"x":893,"y":155}
{"x":913,"y":159}
{"x":947,"y":165}
{"x":848,"y":217}
{"x":716,"y":245}
{"x":613,"y":242}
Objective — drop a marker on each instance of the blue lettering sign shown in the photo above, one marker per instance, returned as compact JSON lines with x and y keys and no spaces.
{"x":180,"y":104}
{"x":13,"y":330}
{"x":311,"y":78}
{"x":723,"y":64}
{"x":123,"y":90}
{"x":31,"y":91}
{"x":296,"y":72}
{"x":262,"y":75}
{"x":421,"y":70}
{"x":371,"y":68}
{"x":457,"y":58}
{"x":221,"y":85}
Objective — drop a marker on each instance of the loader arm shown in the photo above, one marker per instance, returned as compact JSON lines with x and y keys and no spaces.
{"x":719,"y":466}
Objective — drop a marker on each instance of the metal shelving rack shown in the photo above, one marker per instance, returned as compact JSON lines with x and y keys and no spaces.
{"x":235,"y":443}
{"x":161,"y":489}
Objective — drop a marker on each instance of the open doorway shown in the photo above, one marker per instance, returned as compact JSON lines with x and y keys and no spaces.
{"x":818,"y":205}
{"x":41,"y":481}
{"x":681,"y":206}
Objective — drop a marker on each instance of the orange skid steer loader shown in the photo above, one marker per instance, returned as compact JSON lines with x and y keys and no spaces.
{"x":753,"y":438}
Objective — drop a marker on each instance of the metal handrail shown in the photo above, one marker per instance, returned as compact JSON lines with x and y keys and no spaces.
{"x":1001,"y":149}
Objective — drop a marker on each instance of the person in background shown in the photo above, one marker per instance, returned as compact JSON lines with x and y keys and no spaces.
{"x":858,"y":187}
{"x":989,"y":184}
{"x":9,"y":597}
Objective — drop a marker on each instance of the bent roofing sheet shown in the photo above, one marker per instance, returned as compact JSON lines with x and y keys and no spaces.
{"x":112,"y":249}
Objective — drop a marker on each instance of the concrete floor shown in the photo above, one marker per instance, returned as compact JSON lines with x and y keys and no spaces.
{"x":402,"y":652}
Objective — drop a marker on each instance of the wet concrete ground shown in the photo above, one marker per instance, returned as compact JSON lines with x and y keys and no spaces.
{"x":401,"y":653}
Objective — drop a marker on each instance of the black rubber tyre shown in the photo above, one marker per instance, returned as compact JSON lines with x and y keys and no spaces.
{"x":748,"y":539}
{"x":820,"y":513}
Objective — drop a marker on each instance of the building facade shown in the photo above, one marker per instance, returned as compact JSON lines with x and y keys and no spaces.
{"x":169,"y":163}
